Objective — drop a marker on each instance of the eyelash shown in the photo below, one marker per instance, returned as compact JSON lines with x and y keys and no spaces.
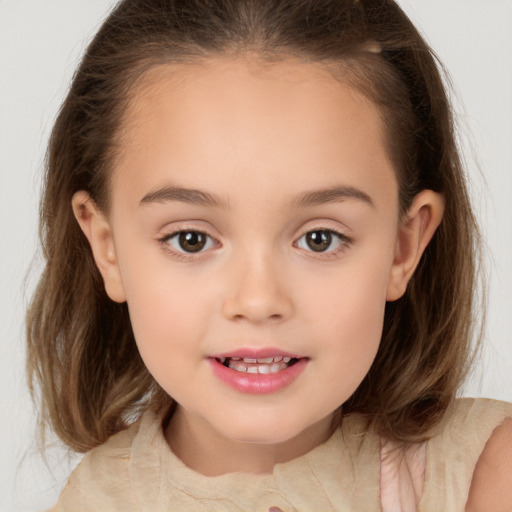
{"x":183,"y":255}
{"x":344,"y":243}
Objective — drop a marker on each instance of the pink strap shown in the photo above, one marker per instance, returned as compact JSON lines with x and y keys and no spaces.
{"x":402,"y":474}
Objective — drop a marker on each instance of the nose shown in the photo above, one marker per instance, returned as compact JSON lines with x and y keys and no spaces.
{"x":258,"y":291}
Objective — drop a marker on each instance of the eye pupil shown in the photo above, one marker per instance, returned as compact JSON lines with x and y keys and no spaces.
{"x":191,"y":241}
{"x":319,"y":241}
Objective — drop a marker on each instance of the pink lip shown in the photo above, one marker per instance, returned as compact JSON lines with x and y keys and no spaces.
{"x":257,"y":353}
{"x":254,"y":383}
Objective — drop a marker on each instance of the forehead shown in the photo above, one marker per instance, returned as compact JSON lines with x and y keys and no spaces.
{"x":250,"y":121}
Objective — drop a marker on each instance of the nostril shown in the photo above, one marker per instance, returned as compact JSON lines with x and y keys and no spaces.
{"x":254,"y":304}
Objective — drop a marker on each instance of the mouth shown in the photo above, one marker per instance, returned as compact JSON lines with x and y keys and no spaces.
{"x":262,"y":366}
{"x":258,"y":371}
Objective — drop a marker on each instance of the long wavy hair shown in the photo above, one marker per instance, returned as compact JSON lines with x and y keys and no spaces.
{"x":83,"y":362}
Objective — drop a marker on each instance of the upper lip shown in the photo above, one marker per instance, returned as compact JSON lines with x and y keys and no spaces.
{"x":257,"y":353}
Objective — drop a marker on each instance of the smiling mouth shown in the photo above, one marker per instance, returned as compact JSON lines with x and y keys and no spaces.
{"x":263,"y":366}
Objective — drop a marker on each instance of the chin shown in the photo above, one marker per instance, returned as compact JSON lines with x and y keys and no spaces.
{"x":271,"y":431}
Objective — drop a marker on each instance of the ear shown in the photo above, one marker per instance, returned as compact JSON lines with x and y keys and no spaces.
{"x":97,"y":229}
{"x":423,"y":218}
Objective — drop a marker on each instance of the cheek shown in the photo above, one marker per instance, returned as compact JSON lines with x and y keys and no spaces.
{"x":167,"y":315}
{"x":353,"y":296}
{"x":349,"y":316}
{"x":356,"y":329}
{"x":169,"y":328}
{"x":351,"y":353}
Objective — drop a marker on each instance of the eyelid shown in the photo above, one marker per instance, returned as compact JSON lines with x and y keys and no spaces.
{"x":345,"y":241}
{"x":338,"y":234}
{"x":326,"y":224}
{"x":170,"y":233}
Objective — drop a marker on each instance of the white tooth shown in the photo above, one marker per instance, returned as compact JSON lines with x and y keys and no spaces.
{"x":283,"y":366}
{"x":274,"y":368}
{"x":278,"y":359}
{"x":249,"y":361}
{"x":287,"y":359}
{"x":252,"y":369}
{"x":267,"y":360}
{"x":239,"y":367}
{"x":222,"y":360}
{"x":264,"y":369}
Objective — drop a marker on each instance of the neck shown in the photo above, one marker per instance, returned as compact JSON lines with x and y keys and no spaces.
{"x":204,"y":450}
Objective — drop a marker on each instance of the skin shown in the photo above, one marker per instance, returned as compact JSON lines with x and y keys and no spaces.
{"x":490,"y":487}
{"x":257,"y":138}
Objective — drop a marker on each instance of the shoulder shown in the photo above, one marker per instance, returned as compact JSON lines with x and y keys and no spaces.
{"x":486,"y":413}
{"x":491,"y":485}
{"x":102,"y":479}
{"x":455,"y":448}
{"x":470,"y":422}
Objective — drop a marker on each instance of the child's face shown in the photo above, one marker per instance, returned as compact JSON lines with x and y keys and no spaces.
{"x":286,"y":200}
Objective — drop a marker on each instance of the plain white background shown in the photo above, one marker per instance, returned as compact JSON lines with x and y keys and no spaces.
{"x":40,"y":43}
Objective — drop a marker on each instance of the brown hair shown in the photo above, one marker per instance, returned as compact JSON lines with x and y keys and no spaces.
{"x":81,"y":349}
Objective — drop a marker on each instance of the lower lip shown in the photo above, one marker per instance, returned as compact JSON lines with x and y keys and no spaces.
{"x":255,"y":383}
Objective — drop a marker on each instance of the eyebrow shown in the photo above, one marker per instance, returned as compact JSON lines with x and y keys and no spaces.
{"x":331,"y":195}
{"x":202,"y":198}
{"x":184,"y":195}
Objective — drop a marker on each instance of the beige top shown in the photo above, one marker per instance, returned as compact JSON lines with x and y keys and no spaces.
{"x":353,"y":471}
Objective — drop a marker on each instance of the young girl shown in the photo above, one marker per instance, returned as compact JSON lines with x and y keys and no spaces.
{"x":260,"y":268}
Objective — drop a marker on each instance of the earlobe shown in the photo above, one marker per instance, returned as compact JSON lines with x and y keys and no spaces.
{"x":97,"y":230}
{"x":423,"y":218}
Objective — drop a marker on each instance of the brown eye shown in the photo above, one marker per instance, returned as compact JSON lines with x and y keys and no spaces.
{"x":319,"y":241}
{"x":189,"y":241}
{"x":322,"y":241}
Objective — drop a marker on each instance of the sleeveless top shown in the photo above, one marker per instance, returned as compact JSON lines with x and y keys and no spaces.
{"x":353,"y":471}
